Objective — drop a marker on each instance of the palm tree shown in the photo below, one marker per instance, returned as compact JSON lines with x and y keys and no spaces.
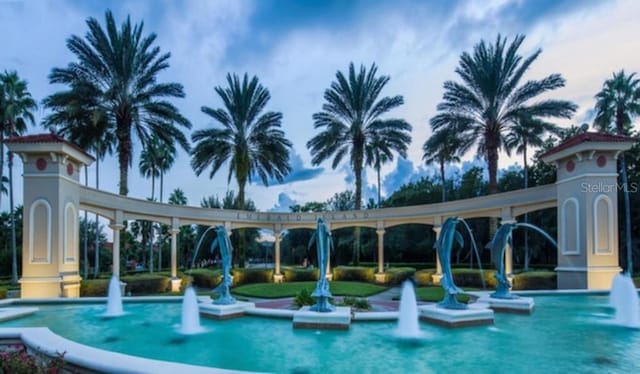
{"x":528,"y":132}
{"x":350,"y":119}
{"x":616,"y":105}
{"x":16,"y":106}
{"x":252,"y":143}
{"x":79,"y":116}
{"x":441,"y":147}
{"x":148,"y":164}
{"x":491,"y":98}
{"x":121,"y":66}
{"x":380,"y":151}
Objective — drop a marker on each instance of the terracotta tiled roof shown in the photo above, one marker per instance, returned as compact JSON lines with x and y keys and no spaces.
{"x":44,"y":138}
{"x":589,"y":137}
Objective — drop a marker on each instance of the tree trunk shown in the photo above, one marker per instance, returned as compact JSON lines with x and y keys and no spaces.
{"x":150,"y":235}
{"x":85,"y":256}
{"x":1,"y":157}
{"x":242,"y":242}
{"x":124,"y":154}
{"x":526,"y":216}
{"x":625,"y":195}
{"x":444,"y":196}
{"x":161,"y":183}
{"x":378,"y":170}
{"x":96,"y":270}
{"x":12,"y":218}
{"x":357,"y":168}
{"x":492,"y":163}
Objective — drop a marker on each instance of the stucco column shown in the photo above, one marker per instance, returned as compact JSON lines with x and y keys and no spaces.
{"x":508,"y":252}
{"x":277,"y":277}
{"x":175,"y":281}
{"x":380,"y":274}
{"x":435,"y":278}
{"x":116,"y":227}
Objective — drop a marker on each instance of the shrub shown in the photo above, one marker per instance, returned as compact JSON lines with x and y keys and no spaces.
{"x":94,"y":287}
{"x":473,"y":278}
{"x":249,"y":276}
{"x":357,"y":303}
{"x":354,"y":273}
{"x":3,"y":293}
{"x":395,"y":276}
{"x":536,"y":280}
{"x":18,"y":360}
{"x":146,"y":284}
{"x":296,"y":274}
{"x":415,"y":265}
{"x":205,"y":278}
{"x":424,"y":277}
{"x":303,"y":298}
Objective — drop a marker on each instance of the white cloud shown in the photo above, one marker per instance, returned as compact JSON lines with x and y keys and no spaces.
{"x":417,"y":48}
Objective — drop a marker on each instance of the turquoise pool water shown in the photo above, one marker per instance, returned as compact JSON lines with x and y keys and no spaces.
{"x":564,"y":334}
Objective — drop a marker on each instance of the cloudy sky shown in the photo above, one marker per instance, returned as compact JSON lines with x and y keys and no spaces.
{"x":296,"y":47}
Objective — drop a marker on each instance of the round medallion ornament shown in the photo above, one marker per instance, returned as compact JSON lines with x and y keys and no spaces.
{"x":41,"y":164}
{"x":601,"y":161}
{"x":70,"y":169}
{"x":570,"y":166}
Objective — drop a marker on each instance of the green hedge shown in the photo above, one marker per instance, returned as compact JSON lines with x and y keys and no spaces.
{"x":3,"y":293}
{"x":395,"y":276}
{"x":473,"y":278}
{"x":536,"y":280}
{"x":296,"y":274}
{"x":248,"y":276}
{"x":146,"y":284}
{"x":424,"y":277}
{"x":354,"y":273}
{"x":94,"y":287}
{"x":415,"y":265}
{"x":205,"y":278}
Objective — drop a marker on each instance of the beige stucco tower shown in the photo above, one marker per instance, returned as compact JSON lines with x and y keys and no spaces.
{"x":587,"y":191}
{"x":50,"y":254}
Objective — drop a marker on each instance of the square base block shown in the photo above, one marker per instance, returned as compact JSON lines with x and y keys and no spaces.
{"x":476,"y":315}
{"x":339,"y":319}
{"x":521,"y":305}
{"x":220,"y":312}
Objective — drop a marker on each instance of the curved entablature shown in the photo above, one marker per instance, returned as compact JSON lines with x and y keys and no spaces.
{"x":515,"y":203}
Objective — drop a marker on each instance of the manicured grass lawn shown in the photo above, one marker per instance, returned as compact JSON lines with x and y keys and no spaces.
{"x":435,"y":294}
{"x":277,"y":290}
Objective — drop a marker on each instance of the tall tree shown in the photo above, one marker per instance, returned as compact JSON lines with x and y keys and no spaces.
{"x":491,"y":98}
{"x":350,"y":121}
{"x":16,"y":110}
{"x":441,"y":147}
{"x":79,"y":115}
{"x":122,"y":67}
{"x":380,"y":151}
{"x":616,"y":105}
{"x":528,"y":132}
{"x":251,"y":141}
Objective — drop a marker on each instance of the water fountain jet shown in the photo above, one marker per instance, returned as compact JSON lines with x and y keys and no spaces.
{"x":190,"y":315}
{"x":624,"y":299}
{"x":408,"y":323}
{"x":114,"y":298}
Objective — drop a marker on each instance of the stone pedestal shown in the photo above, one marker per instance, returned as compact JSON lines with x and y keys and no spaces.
{"x":339,"y":319}
{"x":476,"y":315}
{"x":175,"y":284}
{"x":519,"y":305}
{"x":220,"y":312}
{"x":278,"y":278}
